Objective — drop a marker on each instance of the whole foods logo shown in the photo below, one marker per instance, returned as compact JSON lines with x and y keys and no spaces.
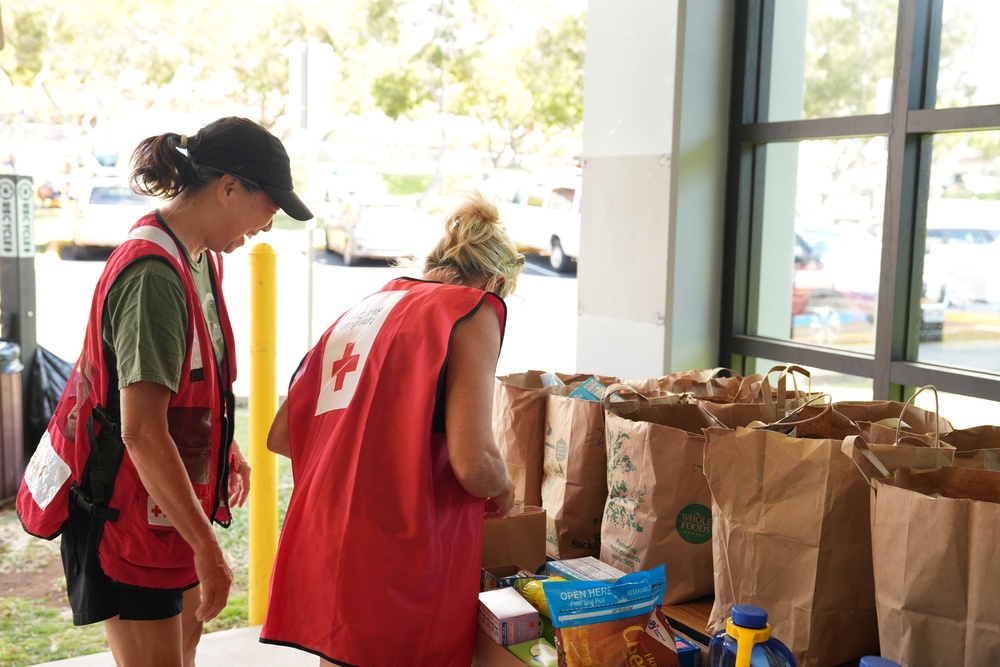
{"x":694,"y":524}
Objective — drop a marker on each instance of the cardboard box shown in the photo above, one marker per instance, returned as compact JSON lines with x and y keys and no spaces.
{"x":518,"y":537}
{"x":592,"y":389}
{"x":688,"y":652}
{"x":583,"y":569}
{"x":500,"y":576}
{"x":507,"y":618}
{"x":490,"y":654}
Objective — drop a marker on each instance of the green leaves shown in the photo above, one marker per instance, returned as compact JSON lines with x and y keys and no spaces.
{"x":624,"y":495}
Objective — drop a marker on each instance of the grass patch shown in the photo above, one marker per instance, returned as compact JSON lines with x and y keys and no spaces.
{"x":416,"y":184}
{"x":407,"y":184}
{"x":234,"y":615}
{"x":32,"y":632}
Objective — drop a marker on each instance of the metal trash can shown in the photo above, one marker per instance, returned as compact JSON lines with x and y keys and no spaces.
{"x":11,"y":420}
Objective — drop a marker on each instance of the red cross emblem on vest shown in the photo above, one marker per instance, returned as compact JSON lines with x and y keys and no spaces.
{"x":344,"y":365}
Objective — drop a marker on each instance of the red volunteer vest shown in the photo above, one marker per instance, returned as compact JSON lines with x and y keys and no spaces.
{"x":139,"y":546}
{"x":380,"y":551}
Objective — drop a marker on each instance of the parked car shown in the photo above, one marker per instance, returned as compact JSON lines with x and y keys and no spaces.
{"x":357,"y":182}
{"x":543,"y":217}
{"x":835,"y":286}
{"x":106,"y":212}
{"x":384,"y":229}
{"x":962,"y":251}
{"x":501,"y":184}
{"x":963,"y":273}
{"x":836,"y":267}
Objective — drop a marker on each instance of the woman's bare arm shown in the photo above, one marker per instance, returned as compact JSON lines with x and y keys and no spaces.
{"x":474,"y":454}
{"x":158,"y":462}
{"x":277,"y":436}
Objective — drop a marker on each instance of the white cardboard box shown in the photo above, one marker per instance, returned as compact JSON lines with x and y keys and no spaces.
{"x":507,"y":618}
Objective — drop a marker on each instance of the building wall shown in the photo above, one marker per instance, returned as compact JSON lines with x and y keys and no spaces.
{"x":656,"y":104}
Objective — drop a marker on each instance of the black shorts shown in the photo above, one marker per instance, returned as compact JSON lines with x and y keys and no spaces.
{"x":92,"y":595}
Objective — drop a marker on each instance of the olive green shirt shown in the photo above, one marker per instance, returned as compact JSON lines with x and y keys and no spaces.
{"x":145,"y":321}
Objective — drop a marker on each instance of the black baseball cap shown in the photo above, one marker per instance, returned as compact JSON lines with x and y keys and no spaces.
{"x":243,"y":148}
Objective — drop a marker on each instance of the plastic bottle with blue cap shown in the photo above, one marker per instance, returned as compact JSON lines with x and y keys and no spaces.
{"x":747,"y":642}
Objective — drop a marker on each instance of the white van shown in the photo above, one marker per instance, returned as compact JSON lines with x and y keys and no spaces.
{"x":544,"y":217}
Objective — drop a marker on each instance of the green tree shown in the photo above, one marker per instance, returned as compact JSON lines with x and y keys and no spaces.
{"x":438,"y":43}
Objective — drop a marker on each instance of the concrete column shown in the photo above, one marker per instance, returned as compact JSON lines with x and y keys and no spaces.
{"x":656,"y":104}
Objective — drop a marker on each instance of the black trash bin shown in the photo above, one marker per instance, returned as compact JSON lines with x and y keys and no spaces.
{"x":48,"y":377}
{"x":11,"y":420}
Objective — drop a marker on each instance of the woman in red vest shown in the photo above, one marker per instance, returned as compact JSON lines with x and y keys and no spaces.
{"x":388,"y":423}
{"x":139,"y":458}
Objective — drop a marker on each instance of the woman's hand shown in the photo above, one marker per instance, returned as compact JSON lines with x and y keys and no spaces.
{"x":215,"y":577}
{"x":499,"y":505}
{"x":239,"y":477}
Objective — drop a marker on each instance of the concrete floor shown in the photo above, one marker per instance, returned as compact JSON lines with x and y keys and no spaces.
{"x":238,"y":648}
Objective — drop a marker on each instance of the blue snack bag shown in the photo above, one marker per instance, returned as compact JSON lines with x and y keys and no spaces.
{"x":600,"y":622}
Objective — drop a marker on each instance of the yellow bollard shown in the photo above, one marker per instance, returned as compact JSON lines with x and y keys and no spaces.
{"x":262,"y":404}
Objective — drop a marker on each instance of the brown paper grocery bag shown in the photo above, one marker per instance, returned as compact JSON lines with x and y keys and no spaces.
{"x":791,"y":534}
{"x":518,"y":538}
{"x":574,"y":477}
{"x":976,"y":447}
{"x":758,"y":398}
{"x":917,"y":420}
{"x":706,"y":382}
{"x":935,"y":563}
{"x":658,"y":509}
{"x":519,"y":429}
{"x":895,"y":445}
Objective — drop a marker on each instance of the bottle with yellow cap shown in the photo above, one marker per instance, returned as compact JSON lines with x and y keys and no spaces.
{"x":747,"y":642}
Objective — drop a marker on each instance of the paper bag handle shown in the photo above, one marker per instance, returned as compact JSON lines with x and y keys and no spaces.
{"x":790,"y":372}
{"x":618,"y":388}
{"x":857,"y":448}
{"x":745,"y":390}
{"x":937,"y":413}
{"x":788,"y":421}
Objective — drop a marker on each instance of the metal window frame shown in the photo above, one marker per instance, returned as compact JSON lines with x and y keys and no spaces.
{"x":910,"y":126}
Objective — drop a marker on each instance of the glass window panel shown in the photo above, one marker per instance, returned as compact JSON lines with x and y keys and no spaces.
{"x":820,"y":243}
{"x":840,"y":386}
{"x":970,"y":51}
{"x":962,"y":411}
{"x":960,"y":308}
{"x":831,"y":58}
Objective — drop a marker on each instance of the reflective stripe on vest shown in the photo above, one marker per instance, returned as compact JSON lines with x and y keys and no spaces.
{"x":162,"y":239}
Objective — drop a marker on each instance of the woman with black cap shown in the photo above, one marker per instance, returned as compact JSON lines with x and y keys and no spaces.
{"x":139,"y":457}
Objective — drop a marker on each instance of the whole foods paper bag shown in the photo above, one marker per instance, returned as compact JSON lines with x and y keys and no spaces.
{"x":791,"y":534}
{"x":658,"y":509}
{"x":935,"y":566}
{"x":574,"y":479}
{"x":706,"y":382}
{"x":519,"y":429}
{"x":917,"y":420}
{"x":976,"y":447}
{"x":758,"y":398}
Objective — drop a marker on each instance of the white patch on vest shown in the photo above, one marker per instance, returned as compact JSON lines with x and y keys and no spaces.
{"x":211,"y":313}
{"x":164,"y":240}
{"x":46,"y":472}
{"x":159,"y":237}
{"x":196,"y":361}
{"x":154,"y":515}
{"x":347,"y":349}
